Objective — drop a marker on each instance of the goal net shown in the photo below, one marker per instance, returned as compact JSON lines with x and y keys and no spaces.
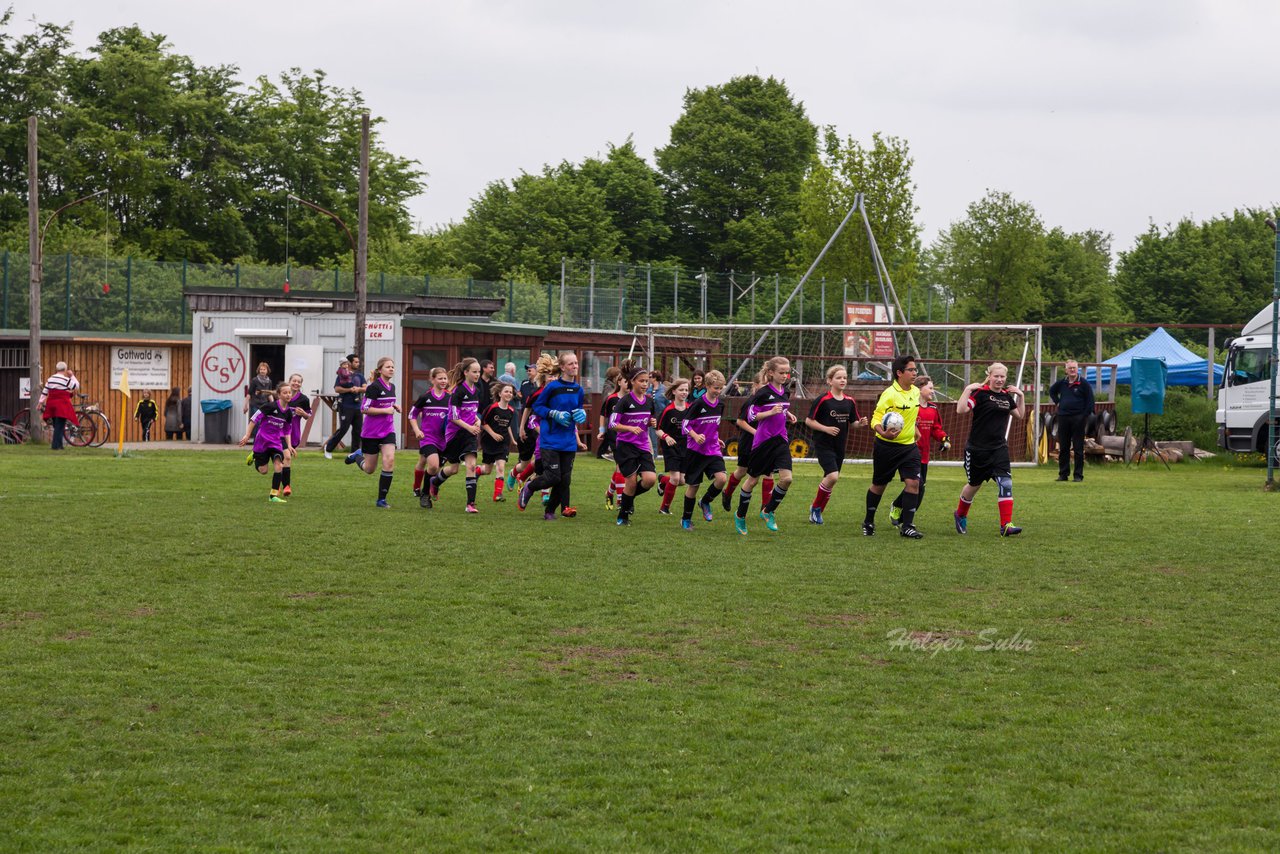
{"x":951,"y":354}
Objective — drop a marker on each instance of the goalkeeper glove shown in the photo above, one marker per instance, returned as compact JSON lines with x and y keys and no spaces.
{"x":579,"y":416}
{"x":560,"y":417}
{"x":946,"y":443}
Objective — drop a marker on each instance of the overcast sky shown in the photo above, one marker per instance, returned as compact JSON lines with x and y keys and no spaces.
{"x":1102,"y":114}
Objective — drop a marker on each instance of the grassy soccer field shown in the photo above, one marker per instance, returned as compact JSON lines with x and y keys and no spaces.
{"x":186,"y":666}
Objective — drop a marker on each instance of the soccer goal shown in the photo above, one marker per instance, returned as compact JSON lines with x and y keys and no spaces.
{"x":951,"y":354}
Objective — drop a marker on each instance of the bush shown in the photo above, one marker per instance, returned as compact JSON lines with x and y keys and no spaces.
{"x":1188,"y":415}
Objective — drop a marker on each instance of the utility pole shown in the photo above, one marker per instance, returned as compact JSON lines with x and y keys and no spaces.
{"x":362,"y":251}
{"x":33,"y":250}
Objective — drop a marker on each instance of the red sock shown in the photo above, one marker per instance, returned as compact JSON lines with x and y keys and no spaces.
{"x":766,"y":491}
{"x":619,"y":483}
{"x":668,"y":495}
{"x":662,"y":482}
{"x":820,"y":500}
{"x":498,"y":483}
{"x":733,"y":481}
{"x":962,"y":510}
{"x":1006,"y":511}
{"x":417,"y":479}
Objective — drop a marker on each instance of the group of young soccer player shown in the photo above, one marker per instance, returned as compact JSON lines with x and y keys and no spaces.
{"x":462,"y":426}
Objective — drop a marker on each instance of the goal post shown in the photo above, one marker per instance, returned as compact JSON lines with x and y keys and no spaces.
{"x":952,"y":354}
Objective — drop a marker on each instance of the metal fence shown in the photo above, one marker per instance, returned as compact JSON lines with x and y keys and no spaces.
{"x":131,"y":295}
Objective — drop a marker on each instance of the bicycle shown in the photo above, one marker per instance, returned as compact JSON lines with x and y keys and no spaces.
{"x":92,"y":431}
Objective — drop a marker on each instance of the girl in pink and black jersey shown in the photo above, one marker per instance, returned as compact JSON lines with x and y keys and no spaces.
{"x":671,"y":435}
{"x":703,"y":455}
{"x":273,"y":421}
{"x":770,"y":409}
{"x":378,"y":431}
{"x":427,"y":417}
{"x":462,"y":430}
{"x":301,"y":406}
{"x":631,"y":419}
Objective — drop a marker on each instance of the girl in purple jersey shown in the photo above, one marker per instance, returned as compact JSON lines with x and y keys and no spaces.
{"x":427,"y":418}
{"x":378,"y":432}
{"x":273,"y":422}
{"x":631,"y":419}
{"x":301,"y":406}
{"x":704,"y":454}
{"x":462,"y":430}
{"x":770,"y":409}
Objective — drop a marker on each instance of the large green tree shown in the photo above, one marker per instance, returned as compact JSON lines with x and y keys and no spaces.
{"x":194,"y":166}
{"x":534,"y":221}
{"x":1077,"y":287}
{"x":882,"y":172}
{"x":993,"y":260}
{"x":732,"y":171}
{"x":633,"y":197}
{"x":1217,"y":271}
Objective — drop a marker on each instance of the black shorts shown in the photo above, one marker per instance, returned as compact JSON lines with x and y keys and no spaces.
{"x":773,"y":455}
{"x":490,"y":454}
{"x":428,"y":449}
{"x":890,"y":458}
{"x":632,"y":460}
{"x":673,"y":457}
{"x":697,"y":465}
{"x":373,"y":444}
{"x":262,"y":458}
{"x":459,"y":446}
{"x":829,"y":458}
{"x":525,"y":446}
{"x":744,"y":452}
{"x":981,"y":466}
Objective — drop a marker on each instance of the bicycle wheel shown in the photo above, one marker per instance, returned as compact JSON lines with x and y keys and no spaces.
{"x":100,"y":426}
{"x":81,"y":435}
{"x":22,"y":427}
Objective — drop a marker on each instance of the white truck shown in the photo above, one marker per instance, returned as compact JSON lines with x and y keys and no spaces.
{"x":1244,"y":398}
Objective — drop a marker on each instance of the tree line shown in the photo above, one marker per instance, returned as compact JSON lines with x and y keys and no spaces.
{"x":196,"y":165}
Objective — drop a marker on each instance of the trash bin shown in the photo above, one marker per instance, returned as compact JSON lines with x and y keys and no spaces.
{"x":217,"y":421}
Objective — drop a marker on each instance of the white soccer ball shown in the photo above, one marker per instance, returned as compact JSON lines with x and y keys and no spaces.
{"x":892,"y":422}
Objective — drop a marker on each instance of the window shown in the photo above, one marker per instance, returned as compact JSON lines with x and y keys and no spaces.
{"x":1249,"y":366}
{"x":426,"y":359}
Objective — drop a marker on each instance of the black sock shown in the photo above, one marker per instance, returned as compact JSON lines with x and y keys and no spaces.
{"x":920,"y":495}
{"x":897,"y":502}
{"x":873,"y":501}
{"x":712,"y":493}
{"x":384,"y":485}
{"x":908,"y":507}
{"x":744,"y":501}
{"x":284,"y":475}
{"x":688,"y":507}
{"x":641,"y":489}
{"x":471,"y":489}
{"x":774,"y":500}
{"x":275,"y":482}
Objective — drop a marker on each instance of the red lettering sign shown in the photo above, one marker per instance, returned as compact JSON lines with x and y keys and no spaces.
{"x":222,"y":367}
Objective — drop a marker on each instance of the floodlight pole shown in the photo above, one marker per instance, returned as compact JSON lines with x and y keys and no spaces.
{"x":36,"y":234}
{"x":362,"y":254}
{"x":1275,"y":362}
{"x":355,"y":256}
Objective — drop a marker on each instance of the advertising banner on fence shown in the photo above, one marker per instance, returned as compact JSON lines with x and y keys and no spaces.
{"x":869,"y":344}
{"x":148,"y":367}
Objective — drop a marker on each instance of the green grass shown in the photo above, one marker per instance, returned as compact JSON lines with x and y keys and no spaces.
{"x":186,"y":666}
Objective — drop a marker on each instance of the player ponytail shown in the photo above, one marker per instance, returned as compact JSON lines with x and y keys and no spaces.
{"x":459,"y":371}
{"x":547,"y":367}
{"x":630,"y":369}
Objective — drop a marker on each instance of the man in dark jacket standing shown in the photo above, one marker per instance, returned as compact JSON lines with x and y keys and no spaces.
{"x":1074,"y":397}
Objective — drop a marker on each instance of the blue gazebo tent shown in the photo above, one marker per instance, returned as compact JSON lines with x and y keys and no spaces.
{"x":1185,"y":367}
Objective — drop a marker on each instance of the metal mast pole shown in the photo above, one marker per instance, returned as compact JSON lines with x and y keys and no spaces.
{"x":362,"y":245}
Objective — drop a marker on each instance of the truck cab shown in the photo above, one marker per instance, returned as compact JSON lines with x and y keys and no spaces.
{"x":1244,"y":399}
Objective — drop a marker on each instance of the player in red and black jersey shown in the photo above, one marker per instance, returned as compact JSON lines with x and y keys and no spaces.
{"x":986,"y":454}
{"x":495,"y":435}
{"x":671,"y":438}
{"x":928,"y":430}
{"x":830,"y":418}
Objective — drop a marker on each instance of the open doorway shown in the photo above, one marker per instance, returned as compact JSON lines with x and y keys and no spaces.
{"x":273,"y":355}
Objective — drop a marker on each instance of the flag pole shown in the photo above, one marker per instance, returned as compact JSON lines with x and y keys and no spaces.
{"x":124,"y":409}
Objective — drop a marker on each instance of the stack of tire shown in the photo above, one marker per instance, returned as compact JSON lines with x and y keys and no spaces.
{"x":1099,"y":424}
